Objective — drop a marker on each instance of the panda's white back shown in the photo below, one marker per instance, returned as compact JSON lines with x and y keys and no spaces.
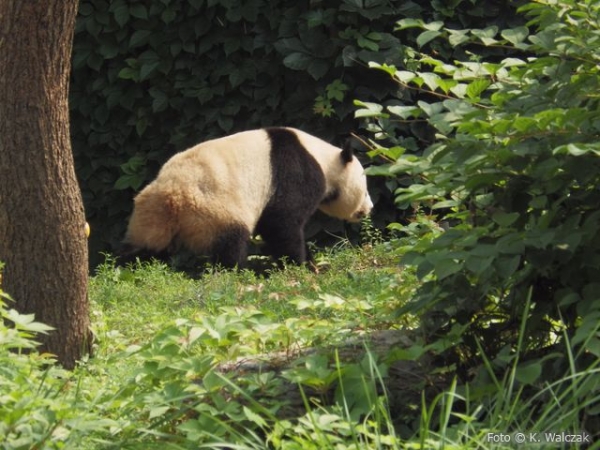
{"x":223,"y":180}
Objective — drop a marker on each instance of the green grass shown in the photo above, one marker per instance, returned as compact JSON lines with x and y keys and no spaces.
{"x":155,"y":382}
{"x":135,"y":302}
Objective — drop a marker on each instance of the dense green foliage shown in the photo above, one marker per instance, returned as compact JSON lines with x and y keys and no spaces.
{"x":152,"y":77}
{"x":516,"y":170}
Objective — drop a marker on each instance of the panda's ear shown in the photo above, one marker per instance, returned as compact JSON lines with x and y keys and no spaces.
{"x":347,"y":152}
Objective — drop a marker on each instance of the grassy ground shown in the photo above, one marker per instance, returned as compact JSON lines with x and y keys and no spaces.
{"x":153,"y":324}
{"x":135,"y":303}
{"x":157,"y":379}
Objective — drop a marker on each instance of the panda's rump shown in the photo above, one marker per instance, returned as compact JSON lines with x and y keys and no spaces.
{"x":219,"y":187}
{"x":154,"y":221}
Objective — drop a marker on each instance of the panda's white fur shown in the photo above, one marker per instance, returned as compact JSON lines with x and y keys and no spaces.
{"x":212,"y":197}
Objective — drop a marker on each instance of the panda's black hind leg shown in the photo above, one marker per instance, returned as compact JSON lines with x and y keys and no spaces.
{"x":231,"y":248}
{"x":128,"y":254}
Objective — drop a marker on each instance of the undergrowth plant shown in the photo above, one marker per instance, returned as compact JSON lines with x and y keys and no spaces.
{"x":184,"y":374}
{"x":40,"y":406}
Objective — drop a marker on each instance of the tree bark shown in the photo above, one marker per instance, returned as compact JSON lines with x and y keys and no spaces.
{"x":42,"y":222}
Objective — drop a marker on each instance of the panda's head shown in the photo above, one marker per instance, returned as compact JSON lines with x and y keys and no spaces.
{"x":347,"y":197}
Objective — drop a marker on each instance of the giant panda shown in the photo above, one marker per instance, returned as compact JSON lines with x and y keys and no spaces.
{"x":213,"y":197}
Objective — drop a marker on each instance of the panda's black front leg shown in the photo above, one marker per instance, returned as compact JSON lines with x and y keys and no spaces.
{"x":284,"y":239}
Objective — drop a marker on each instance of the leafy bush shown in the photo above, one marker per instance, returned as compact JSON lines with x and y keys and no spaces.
{"x":37,"y":408}
{"x":515,"y":171}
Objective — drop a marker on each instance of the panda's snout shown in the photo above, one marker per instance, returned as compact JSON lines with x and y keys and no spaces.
{"x":359,"y":215}
{"x":364,"y":211}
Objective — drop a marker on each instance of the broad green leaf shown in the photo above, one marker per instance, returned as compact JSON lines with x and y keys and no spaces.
{"x":505,"y":219}
{"x":434,"y":26}
{"x":139,"y":37}
{"x":478,"y":264}
{"x":390,"y":69}
{"x":505,"y":266}
{"x":457,"y":37}
{"x":121,"y":13}
{"x":529,"y":373}
{"x":297,"y":61}
{"x":405,"y":76}
{"x":409,"y":23}
{"x":317,"y":68}
{"x":486,"y":35}
{"x":253,"y":417}
{"x":446,"y":267}
{"x":525,"y":124}
{"x":577,"y":149}
{"x":427,"y":36}
{"x":138,"y":11}
{"x":515,"y":35}
{"x":431,"y":109}
{"x":368,"y":109}
{"x":430,"y":80}
{"x":147,"y":69}
{"x":404,"y":112}
{"x":447,"y":84}
{"x":128,"y":73}
{"x":157,"y":411}
{"x":446,"y":204}
{"x":475,"y":88}
{"x":141,"y":125}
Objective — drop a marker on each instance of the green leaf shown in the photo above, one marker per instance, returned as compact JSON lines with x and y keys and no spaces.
{"x":157,"y":411}
{"x":446,"y":267}
{"x":446,"y":85}
{"x":253,"y":417}
{"x":434,"y":26}
{"x":578,"y":149}
{"x":409,"y":23}
{"x":432,"y":109}
{"x":515,"y":35}
{"x":528,"y":373}
{"x":147,"y":69}
{"x":404,"y":112}
{"x":427,"y":36}
{"x":368,"y":109}
{"x":168,"y":15}
{"x":120,"y":11}
{"x":127,"y":73}
{"x":505,"y":266}
{"x":297,"y":61}
{"x":138,"y":11}
{"x":505,"y":219}
{"x":161,"y":100}
{"x":139,"y":37}
{"x":457,"y":37}
{"x":486,"y":35}
{"x":475,"y":88}
{"x":430,"y":80}
{"x":317,"y":68}
{"x":141,"y":125}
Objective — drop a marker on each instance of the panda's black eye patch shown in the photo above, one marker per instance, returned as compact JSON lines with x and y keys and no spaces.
{"x":331,"y":196}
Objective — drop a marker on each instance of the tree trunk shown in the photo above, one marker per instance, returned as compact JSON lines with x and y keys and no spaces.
{"x":42,"y":222}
